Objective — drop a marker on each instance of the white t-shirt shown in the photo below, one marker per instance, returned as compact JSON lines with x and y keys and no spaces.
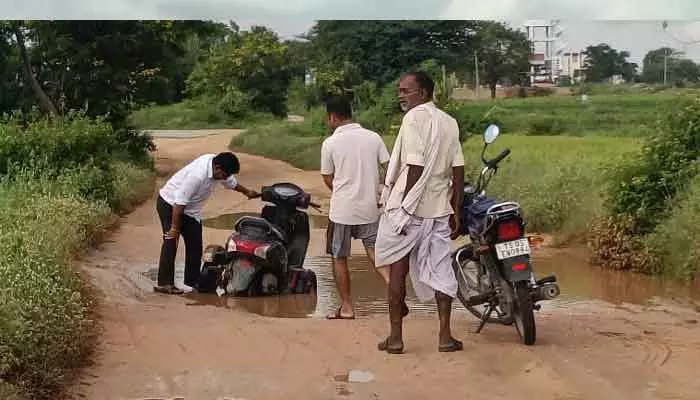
{"x":415,"y":128}
{"x":192,"y":185}
{"x":353,"y":154}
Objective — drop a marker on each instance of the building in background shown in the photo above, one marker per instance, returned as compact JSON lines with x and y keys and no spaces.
{"x":551,"y":59}
{"x":542,"y":37}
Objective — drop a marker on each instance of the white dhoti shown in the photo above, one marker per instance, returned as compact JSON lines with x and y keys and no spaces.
{"x":429,"y":245}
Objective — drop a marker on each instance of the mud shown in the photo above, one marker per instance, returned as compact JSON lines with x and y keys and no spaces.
{"x":631,"y":344}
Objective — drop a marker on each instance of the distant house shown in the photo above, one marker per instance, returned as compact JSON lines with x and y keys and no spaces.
{"x":572,"y":64}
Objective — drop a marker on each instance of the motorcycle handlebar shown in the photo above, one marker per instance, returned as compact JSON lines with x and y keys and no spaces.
{"x":499,"y":158}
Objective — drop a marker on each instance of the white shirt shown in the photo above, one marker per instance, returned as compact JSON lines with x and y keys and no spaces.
{"x":192,"y":185}
{"x":353,"y":154}
{"x":415,"y":128}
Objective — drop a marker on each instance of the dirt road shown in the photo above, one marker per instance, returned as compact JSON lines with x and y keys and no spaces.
{"x":158,"y":347}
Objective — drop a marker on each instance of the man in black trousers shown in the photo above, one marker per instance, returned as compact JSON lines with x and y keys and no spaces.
{"x":179,"y":207}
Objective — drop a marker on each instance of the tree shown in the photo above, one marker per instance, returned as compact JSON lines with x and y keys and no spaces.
{"x":253,"y":69}
{"x":603,"y":62}
{"x":685,"y":70}
{"x":105,"y":67}
{"x":678,"y":69}
{"x":504,"y":52}
{"x":44,"y":101}
{"x":382,"y":50}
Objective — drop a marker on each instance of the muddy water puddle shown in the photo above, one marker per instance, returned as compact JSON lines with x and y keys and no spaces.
{"x":578,"y":282}
{"x":367,"y":291}
{"x":227,"y":221}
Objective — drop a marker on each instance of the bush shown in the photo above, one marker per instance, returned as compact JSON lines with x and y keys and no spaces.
{"x":674,"y":241}
{"x":384,"y":116}
{"x":61,"y":177}
{"x":667,"y":162}
{"x":47,"y":326}
{"x":474,"y":120}
{"x":545,"y":125}
{"x":615,"y":246}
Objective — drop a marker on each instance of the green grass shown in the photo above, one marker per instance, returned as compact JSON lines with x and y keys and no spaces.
{"x":558,"y":179}
{"x":191,"y":114}
{"x":296,"y":143}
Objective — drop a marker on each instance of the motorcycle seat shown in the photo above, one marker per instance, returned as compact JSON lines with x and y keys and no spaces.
{"x":257,"y":223}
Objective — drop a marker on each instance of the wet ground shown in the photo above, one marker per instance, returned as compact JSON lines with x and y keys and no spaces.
{"x":579,"y":282}
{"x":627,"y":345}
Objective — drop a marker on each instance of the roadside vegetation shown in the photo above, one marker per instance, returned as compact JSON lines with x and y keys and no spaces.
{"x":63,"y":182}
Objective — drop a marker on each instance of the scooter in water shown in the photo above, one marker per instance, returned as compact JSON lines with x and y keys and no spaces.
{"x":494,"y":272}
{"x":264,"y":255}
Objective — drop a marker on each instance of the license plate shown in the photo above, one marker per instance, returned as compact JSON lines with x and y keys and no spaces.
{"x":514,"y":248}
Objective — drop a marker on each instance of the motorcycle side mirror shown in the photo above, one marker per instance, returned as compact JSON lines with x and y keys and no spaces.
{"x":491,"y":133}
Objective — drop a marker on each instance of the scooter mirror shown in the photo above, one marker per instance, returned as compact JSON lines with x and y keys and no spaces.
{"x":491,"y":133}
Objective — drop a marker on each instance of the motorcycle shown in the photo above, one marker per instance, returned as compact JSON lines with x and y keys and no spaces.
{"x":264,"y":255}
{"x":494,"y":271}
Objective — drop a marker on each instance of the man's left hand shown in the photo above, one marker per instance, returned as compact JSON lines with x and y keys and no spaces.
{"x":252,"y":194}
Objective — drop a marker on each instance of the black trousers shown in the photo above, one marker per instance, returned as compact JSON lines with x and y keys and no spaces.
{"x":191,"y":232}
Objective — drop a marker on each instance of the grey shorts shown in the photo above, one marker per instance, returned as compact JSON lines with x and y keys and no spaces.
{"x":339,"y":237}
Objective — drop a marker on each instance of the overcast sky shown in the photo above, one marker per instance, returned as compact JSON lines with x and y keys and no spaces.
{"x":632,"y":25}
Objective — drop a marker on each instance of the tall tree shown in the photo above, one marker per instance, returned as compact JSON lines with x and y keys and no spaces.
{"x":503,"y":51}
{"x":603,"y":62}
{"x":44,"y":101}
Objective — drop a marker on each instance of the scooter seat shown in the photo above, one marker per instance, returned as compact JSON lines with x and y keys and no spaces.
{"x":259,"y":224}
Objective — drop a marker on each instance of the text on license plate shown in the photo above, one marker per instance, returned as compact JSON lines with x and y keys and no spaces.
{"x":512,"y":249}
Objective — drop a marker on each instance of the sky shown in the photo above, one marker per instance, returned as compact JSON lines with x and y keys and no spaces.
{"x":632,"y":25}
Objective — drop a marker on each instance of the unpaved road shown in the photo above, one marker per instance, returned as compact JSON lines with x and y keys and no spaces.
{"x":158,"y":347}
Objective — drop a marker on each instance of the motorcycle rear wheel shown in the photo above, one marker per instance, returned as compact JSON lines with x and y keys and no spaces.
{"x":523,"y":313}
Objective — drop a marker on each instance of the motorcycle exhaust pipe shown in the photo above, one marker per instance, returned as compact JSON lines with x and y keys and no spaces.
{"x":548,"y":291}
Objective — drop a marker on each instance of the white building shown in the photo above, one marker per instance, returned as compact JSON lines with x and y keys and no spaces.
{"x":571,"y":64}
{"x":542,"y":37}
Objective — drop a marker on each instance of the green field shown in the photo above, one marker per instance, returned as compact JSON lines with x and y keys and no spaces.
{"x":604,"y":115}
{"x":559,"y":180}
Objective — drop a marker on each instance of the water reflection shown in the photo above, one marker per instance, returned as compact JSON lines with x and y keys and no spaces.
{"x":581,"y":281}
{"x":578,"y":281}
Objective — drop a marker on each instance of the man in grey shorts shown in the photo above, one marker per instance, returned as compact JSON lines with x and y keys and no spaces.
{"x":351,"y":159}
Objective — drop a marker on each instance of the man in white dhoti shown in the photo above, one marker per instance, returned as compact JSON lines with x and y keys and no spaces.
{"x":422,"y":198}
